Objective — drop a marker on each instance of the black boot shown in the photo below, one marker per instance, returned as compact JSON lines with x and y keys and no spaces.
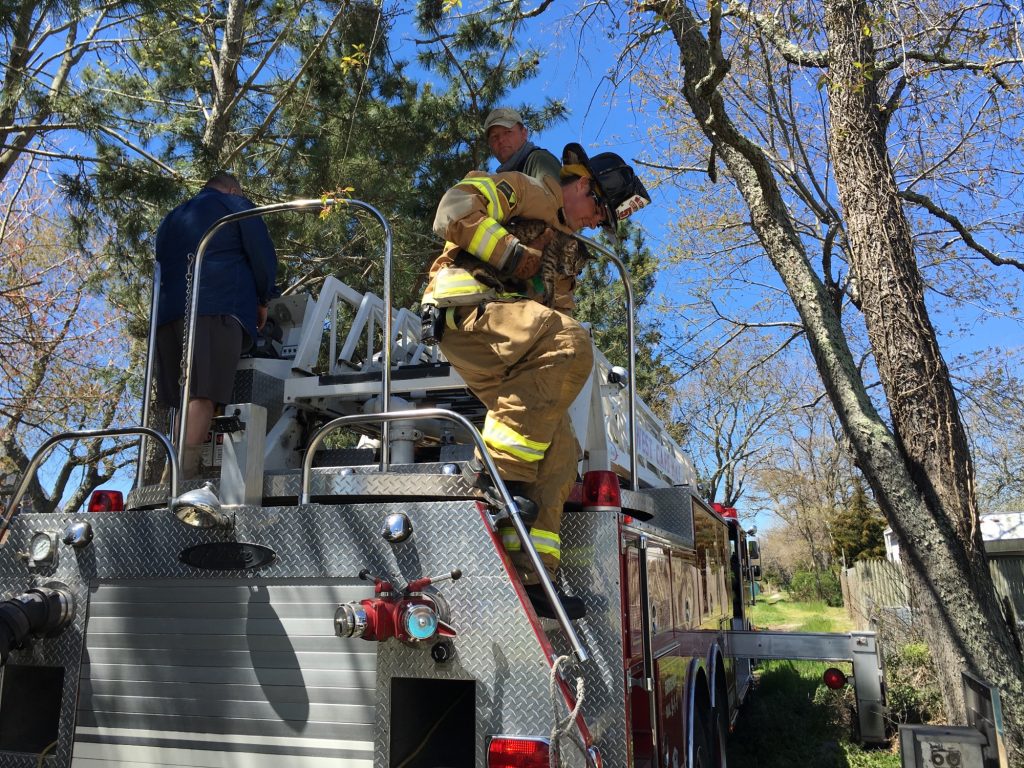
{"x":474,"y":473}
{"x":573,"y":606}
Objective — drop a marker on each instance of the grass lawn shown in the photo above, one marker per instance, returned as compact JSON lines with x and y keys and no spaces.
{"x":791,"y":719}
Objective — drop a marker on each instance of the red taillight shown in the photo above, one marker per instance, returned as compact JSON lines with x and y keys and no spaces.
{"x":106,"y":501}
{"x":513,"y":752}
{"x":601,"y":489}
{"x":834,"y":678}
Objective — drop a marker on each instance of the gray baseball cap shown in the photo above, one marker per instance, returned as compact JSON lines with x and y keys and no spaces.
{"x":503,"y":116}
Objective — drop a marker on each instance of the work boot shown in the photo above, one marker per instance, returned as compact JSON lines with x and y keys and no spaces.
{"x":573,"y":606}
{"x":189,"y":462}
{"x":474,"y":473}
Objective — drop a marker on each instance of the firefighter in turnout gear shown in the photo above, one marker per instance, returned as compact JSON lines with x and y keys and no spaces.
{"x":526,"y":362}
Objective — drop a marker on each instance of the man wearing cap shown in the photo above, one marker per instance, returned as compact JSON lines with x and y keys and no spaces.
{"x":526,"y":362}
{"x":508,"y":139}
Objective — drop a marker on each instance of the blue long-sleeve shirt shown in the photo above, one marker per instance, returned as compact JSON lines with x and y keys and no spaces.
{"x":238,"y":269}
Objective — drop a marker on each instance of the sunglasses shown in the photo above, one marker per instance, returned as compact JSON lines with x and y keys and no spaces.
{"x":598,"y":201}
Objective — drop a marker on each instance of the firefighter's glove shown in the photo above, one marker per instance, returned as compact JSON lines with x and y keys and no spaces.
{"x":527,"y":262}
{"x":528,"y":255}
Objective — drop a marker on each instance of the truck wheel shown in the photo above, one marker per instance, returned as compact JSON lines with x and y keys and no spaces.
{"x":702,"y":755}
{"x":717,"y":735}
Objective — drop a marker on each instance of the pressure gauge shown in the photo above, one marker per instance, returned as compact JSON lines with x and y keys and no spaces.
{"x":42,"y":550}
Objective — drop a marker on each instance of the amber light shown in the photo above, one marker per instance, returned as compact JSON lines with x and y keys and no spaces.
{"x":601,"y":489}
{"x":510,"y":752}
{"x":834,"y":678}
{"x":106,"y":501}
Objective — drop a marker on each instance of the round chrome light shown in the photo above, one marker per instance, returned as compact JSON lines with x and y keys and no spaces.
{"x":78,"y":534}
{"x":419,"y":621}
{"x":397,"y":527}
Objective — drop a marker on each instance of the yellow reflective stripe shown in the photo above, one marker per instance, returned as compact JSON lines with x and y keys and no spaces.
{"x":546,"y":542}
{"x":486,"y":238}
{"x":504,"y":438}
{"x":449,"y":318}
{"x":456,"y":282}
{"x":510,"y":540}
{"x":490,"y":190}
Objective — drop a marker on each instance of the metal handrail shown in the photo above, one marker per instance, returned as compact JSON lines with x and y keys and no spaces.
{"x":154,"y":308}
{"x":506,"y":497}
{"x":263,"y":210}
{"x":634,"y":467}
{"x":44,"y":449}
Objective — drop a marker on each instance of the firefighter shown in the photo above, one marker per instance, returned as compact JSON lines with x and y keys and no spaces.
{"x":526,"y":362}
{"x":509,"y":142}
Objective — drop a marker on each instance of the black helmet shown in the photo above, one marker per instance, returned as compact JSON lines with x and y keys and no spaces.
{"x":620,"y":189}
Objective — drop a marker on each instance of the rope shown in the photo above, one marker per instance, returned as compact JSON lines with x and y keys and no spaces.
{"x":562,"y":726}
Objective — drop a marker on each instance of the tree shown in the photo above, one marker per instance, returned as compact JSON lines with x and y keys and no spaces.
{"x":857,"y":529}
{"x":601,"y":302}
{"x":994,"y":411}
{"x":59,"y":365}
{"x":806,"y":479}
{"x":46,"y":44}
{"x":733,"y":401}
{"x":911,"y":446}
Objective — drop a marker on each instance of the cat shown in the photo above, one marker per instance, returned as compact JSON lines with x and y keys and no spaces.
{"x":563,"y":256}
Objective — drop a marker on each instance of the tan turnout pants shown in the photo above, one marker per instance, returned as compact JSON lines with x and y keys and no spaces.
{"x":526,"y":363}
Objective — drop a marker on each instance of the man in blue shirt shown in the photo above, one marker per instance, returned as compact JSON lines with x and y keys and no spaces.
{"x":237,"y":281}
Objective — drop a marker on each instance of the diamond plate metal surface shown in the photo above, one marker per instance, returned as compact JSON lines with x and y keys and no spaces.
{"x":497,"y":646}
{"x":673,"y":511}
{"x":252,"y":386}
{"x":407,"y":481}
{"x":590,"y":569}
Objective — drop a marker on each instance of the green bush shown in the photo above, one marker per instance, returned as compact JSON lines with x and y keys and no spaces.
{"x":912,"y":688}
{"x":817,"y":585}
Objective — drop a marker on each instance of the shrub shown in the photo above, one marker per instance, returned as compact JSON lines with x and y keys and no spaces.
{"x":912,"y":688}
{"x":817,"y":585}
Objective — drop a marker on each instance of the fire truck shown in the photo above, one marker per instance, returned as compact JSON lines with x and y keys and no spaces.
{"x":320,"y":601}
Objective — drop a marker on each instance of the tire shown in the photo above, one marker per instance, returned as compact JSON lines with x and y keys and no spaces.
{"x":717,"y":737}
{"x":702,"y":753}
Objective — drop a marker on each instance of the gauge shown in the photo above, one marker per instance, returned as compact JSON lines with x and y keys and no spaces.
{"x":42,"y":549}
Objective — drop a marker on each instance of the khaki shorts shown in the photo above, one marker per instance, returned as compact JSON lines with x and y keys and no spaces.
{"x":217,"y":351}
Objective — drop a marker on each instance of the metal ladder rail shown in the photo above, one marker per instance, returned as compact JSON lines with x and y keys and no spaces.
{"x":627,"y":284}
{"x":517,"y":522}
{"x":43,"y":451}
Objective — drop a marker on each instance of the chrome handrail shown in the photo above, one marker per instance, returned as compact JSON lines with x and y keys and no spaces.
{"x":293,"y":205}
{"x":506,"y":497}
{"x":44,"y":449}
{"x":627,"y":283}
{"x":154,"y":308}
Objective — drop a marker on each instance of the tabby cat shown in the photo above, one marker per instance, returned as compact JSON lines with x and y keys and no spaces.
{"x":563,"y":256}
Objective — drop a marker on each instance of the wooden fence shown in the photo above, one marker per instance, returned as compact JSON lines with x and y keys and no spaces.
{"x":876,"y":591}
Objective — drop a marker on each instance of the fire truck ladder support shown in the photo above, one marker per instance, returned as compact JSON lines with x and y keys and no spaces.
{"x":506,"y":497}
{"x":861,"y":648}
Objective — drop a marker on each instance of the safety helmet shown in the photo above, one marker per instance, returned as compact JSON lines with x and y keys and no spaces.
{"x":617,"y":184}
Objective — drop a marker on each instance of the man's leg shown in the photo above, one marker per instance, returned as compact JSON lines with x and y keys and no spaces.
{"x":526,"y":363}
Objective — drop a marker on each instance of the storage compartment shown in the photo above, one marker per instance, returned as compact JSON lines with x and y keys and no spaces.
{"x":29,"y":707}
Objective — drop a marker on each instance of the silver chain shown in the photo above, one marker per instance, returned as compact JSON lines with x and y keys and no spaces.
{"x":189,"y":278}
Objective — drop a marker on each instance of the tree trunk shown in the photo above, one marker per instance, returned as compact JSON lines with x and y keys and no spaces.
{"x":949,"y":571}
{"x":916,"y":471}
